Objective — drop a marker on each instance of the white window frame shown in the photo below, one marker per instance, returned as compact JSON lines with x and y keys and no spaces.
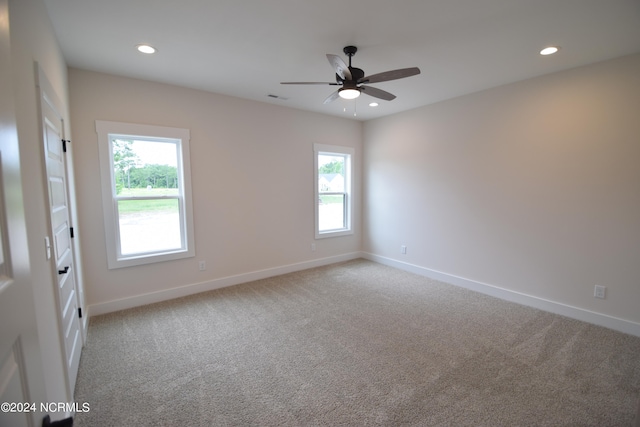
{"x":106,"y":132}
{"x":348,"y":153}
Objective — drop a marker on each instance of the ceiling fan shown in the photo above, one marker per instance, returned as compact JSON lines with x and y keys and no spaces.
{"x":353,"y":79}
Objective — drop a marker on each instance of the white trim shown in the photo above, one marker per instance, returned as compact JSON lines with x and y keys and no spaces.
{"x":341,"y":151}
{"x":181,"y":138}
{"x":621,"y":325}
{"x":183,"y":291}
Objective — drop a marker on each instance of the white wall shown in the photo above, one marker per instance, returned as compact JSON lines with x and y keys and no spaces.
{"x":533,"y":187}
{"x":33,"y":39}
{"x":252,"y":178}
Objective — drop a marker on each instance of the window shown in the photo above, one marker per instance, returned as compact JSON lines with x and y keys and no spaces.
{"x":146,"y":193}
{"x":333,"y":190}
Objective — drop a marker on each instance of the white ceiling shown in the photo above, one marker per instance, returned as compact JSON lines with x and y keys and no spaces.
{"x":245,"y":48}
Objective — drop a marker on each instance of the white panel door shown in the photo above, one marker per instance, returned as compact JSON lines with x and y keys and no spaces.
{"x":62,"y":250}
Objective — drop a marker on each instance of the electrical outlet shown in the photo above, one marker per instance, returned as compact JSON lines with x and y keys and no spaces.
{"x":313,"y":247}
{"x":202,"y":265}
{"x":600,"y":291}
{"x":403,"y":249}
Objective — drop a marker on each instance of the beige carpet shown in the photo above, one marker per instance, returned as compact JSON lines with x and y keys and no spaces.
{"x":353,"y":344}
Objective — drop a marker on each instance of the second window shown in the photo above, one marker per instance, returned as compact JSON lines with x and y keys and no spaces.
{"x":333,"y":190}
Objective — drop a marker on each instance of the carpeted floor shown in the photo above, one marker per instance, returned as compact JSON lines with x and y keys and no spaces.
{"x":353,"y":344}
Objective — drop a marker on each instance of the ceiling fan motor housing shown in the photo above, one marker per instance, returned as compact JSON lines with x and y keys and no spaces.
{"x":356,"y":74}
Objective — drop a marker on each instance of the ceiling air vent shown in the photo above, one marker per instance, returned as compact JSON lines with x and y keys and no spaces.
{"x":277,"y":97}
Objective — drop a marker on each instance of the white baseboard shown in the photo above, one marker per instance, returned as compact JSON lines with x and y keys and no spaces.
{"x":621,"y":325}
{"x":183,"y":291}
{"x":595,"y":318}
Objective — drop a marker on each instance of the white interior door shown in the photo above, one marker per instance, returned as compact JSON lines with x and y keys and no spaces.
{"x":61,"y":244}
{"x":21,"y":378}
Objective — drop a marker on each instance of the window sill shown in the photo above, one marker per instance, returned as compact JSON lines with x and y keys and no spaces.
{"x":338,"y":233}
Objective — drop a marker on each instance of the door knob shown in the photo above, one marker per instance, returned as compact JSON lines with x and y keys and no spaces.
{"x":66,"y":269}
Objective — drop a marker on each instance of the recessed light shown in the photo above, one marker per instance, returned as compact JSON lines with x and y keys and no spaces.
{"x":549,"y":50}
{"x":373,"y":104}
{"x":145,"y":48}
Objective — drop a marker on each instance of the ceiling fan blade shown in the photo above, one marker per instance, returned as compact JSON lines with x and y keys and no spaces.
{"x":309,"y":83}
{"x":377,"y":93}
{"x":335,"y":95}
{"x":342,"y":70}
{"x":390,"y":75}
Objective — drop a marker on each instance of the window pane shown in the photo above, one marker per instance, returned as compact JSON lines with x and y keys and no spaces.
{"x":149,"y":225}
{"x":331,"y":212}
{"x":330,"y":173}
{"x":145,"y":165}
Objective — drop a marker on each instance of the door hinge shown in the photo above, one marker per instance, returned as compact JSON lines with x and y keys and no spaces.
{"x":80,"y":312}
{"x":64,"y":144}
{"x":71,"y":232}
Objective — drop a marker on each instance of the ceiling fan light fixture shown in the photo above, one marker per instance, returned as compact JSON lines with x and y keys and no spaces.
{"x":348,"y":93}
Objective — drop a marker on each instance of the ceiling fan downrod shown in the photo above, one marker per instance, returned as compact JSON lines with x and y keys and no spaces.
{"x":350,"y":51}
